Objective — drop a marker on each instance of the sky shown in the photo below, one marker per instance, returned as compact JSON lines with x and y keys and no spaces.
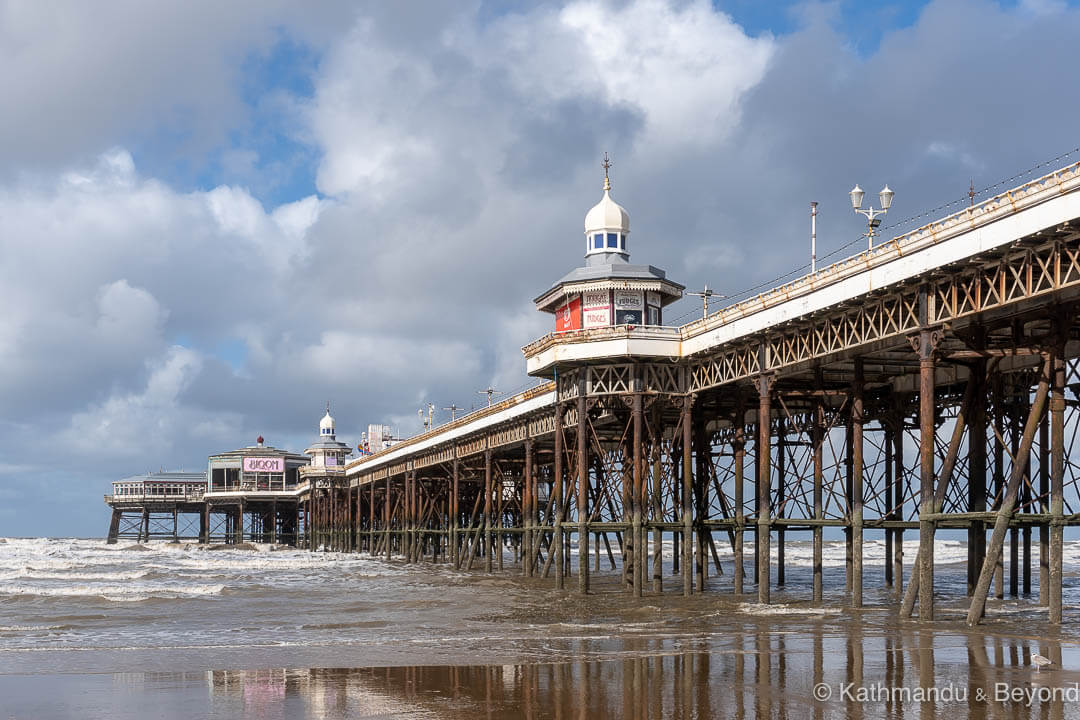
{"x":216,"y":217}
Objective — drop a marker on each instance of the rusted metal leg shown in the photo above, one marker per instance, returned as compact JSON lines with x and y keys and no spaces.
{"x":687,"y":506}
{"x":701,"y":475}
{"x":1014,"y":532}
{"x":927,"y":526}
{"x":977,"y":475}
{"x":657,"y":508}
{"x":386,"y":514}
{"x":740,"y":516}
{"x":938,"y":498}
{"x":857,"y":486}
{"x":781,"y":491}
{"x":114,"y":527}
{"x":818,"y":440}
{"x":487,"y":511}
{"x":1025,"y":532}
{"x":764,"y":383}
{"x":887,"y":430}
{"x":1044,"y":505}
{"x":1057,"y":477}
{"x":1008,"y":501}
{"x":638,"y":420}
{"x":583,"y":492}
{"x":371,"y":518}
{"x":898,"y":501}
{"x":455,"y":517}
{"x":999,"y":471}
{"x":557,"y":535}
{"x":849,"y":491}
{"x":528,"y":512}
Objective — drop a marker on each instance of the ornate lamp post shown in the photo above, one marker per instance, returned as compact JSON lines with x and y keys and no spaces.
{"x":873,"y":221}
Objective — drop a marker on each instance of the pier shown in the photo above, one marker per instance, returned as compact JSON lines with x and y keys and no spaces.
{"x":928,"y":383}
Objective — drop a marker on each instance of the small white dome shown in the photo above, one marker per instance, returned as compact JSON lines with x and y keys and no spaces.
{"x":607,"y":215}
{"x":326,"y":425}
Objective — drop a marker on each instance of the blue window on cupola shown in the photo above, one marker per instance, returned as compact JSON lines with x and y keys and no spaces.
{"x":613,"y":240}
{"x":598,"y":240}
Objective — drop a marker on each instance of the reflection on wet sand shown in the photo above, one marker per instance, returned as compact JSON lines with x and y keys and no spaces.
{"x":765,"y":674}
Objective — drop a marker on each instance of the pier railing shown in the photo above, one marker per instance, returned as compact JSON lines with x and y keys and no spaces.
{"x":188,"y":495}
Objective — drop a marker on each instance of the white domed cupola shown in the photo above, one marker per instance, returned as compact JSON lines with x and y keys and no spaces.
{"x":326,"y":425}
{"x":607,"y":226}
{"x":609,"y":290}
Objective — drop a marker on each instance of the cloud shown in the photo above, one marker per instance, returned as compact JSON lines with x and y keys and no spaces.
{"x":135,"y":425}
{"x":455,"y":150}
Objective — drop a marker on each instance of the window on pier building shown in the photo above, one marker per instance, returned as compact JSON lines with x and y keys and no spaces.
{"x":613,"y":240}
{"x":598,"y":240}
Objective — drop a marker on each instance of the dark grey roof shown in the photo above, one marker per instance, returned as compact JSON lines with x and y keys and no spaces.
{"x":614,"y":270}
{"x":168,"y":477}
{"x":255,"y":450}
{"x":328,"y":445}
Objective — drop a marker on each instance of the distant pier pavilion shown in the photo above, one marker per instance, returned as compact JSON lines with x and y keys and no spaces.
{"x":247,"y":495}
{"x":929,"y":382}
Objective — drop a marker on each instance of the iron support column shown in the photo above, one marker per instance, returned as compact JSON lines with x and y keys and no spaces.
{"x":687,"y":506}
{"x":925,"y":347}
{"x":557,"y":534}
{"x":636,"y":497}
{"x":1057,"y":474}
{"x":764,"y":462}
{"x":487,"y":511}
{"x":583,"y":491}
{"x":740,"y":460}
{"x":857,"y":486}
{"x":528,"y":511}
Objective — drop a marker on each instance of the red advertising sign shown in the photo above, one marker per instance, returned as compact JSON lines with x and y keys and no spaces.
{"x":597,"y":309}
{"x":568,"y":317}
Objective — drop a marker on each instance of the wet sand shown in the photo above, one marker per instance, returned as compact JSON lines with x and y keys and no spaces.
{"x":307,"y":635}
{"x":776,"y":671}
{"x":603,"y":656}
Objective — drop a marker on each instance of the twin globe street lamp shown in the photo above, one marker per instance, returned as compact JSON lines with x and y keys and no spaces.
{"x":885,"y":196}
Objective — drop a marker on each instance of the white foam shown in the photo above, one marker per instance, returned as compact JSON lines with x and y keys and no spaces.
{"x":113,"y":591}
{"x":756,"y":609}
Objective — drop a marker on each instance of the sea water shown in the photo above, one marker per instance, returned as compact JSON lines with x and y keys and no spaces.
{"x":84,"y":615}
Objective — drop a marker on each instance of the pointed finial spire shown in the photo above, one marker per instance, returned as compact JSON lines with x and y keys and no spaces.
{"x":327,"y":407}
{"x":607,"y":166}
